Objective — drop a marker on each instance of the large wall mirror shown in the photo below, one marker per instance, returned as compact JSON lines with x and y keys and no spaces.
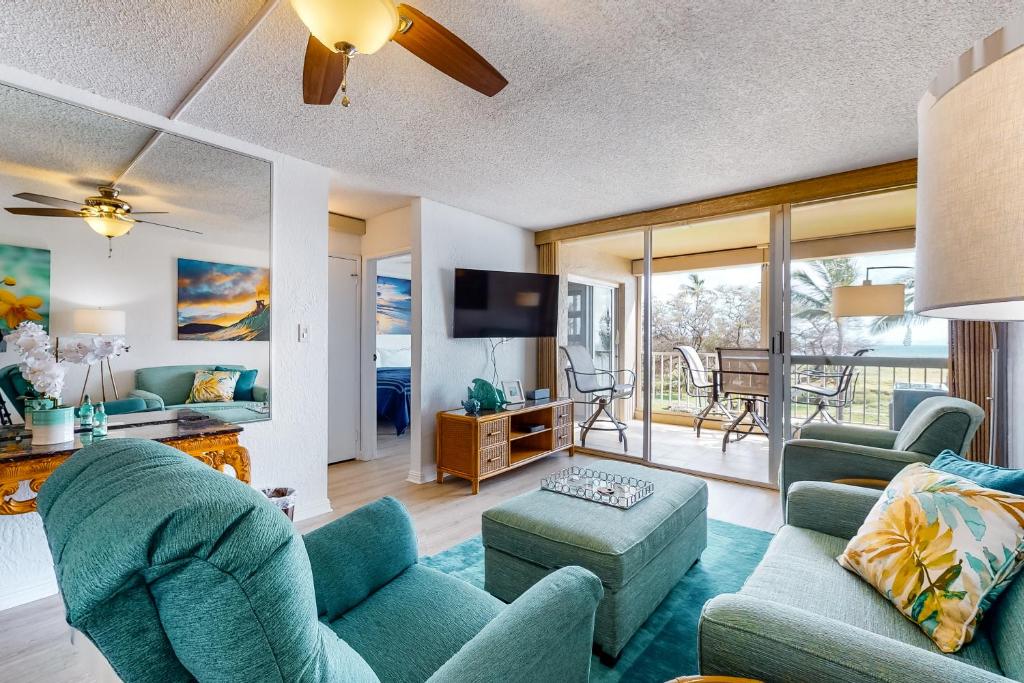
{"x":186,"y":286}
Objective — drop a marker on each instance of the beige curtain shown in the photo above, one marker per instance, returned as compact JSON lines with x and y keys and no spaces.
{"x":970,"y":375}
{"x":547,"y":348}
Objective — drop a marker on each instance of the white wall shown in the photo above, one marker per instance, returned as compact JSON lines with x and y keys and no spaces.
{"x":343,"y":243}
{"x":388,"y":234}
{"x":446,"y":238}
{"x":291,"y":450}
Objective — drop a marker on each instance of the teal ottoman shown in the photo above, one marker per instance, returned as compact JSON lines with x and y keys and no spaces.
{"x":639,"y":554}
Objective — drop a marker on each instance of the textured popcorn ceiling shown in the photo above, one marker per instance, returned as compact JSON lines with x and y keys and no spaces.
{"x":612,"y":106}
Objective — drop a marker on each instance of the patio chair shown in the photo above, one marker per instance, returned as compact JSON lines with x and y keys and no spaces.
{"x":600,"y":388}
{"x":744,"y":375}
{"x":826,"y":390}
{"x":701,"y":384}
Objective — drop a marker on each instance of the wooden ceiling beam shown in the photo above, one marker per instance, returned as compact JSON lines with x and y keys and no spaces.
{"x":887,"y":176}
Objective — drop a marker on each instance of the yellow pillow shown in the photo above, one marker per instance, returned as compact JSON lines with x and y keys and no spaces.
{"x":213,"y":386}
{"x":940,"y":548}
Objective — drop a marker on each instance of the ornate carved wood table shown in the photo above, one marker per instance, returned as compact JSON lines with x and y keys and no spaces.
{"x":205,"y":438}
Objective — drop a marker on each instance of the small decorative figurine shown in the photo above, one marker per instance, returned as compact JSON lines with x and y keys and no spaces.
{"x":490,"y":398}
{"x":471,"y":406}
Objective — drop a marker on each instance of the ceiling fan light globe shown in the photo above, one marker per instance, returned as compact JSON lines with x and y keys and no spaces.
{"x":365,"y":24}
{"x":109,"y":225}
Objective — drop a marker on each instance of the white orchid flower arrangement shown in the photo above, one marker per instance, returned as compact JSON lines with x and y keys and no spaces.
{"x":92,"y":349}
{"x":38,"y":364}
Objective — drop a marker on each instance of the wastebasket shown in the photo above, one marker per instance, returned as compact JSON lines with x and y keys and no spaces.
{"x":282,"y":497}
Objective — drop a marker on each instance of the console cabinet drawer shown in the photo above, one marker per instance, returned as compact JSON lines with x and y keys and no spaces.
{"x":563,"y":436}
{"x":493,"y":458}
{"x":563,"y":415}
{"x":493,"y":432}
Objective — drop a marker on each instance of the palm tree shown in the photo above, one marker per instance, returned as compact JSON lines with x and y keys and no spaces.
{"x":812,"y":294}
{"x":908,"y":321}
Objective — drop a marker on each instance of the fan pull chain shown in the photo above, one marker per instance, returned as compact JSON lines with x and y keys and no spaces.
{"x":345,"y":101}
{"x":110,"y":247}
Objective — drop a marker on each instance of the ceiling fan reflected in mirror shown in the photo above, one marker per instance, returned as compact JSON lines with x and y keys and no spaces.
{"x":341,"y":29}
{"x":105,"y":213}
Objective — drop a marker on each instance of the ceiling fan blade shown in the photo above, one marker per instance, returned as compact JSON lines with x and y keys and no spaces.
{"x":172,"y":227}
{"x":146,"y":213}
{"x":53,"y":213}
{"x":446,"y":52}
{"x":322,"y":72}
{"x":50,"y":201}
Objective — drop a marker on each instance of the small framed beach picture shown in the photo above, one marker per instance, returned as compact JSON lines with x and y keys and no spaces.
{"x":513,"y":389}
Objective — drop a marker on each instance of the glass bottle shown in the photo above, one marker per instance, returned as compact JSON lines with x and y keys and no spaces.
{"x":99,"y":421}
{"x":85,"y":412}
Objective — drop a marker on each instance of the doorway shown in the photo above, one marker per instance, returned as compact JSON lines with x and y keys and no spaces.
{"x":387,"y":368}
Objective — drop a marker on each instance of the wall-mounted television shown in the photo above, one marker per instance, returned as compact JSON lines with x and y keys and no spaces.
{"x":494,"y":303}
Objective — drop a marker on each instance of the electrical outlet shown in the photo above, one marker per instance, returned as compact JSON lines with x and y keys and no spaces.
{"x":303,"y":333}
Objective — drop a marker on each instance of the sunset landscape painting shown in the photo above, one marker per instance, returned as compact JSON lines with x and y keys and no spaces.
{"x":223,"y":302}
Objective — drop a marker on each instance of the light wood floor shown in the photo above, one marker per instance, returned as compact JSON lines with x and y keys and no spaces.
{"x":35,"y":642}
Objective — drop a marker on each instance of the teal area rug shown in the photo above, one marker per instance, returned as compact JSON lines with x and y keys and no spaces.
{"x":666,"y":645}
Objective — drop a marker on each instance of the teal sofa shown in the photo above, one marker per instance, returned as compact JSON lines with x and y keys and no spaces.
{"x":830,"y":452}
{"x":179,"y":573}
{"x":801,"y":618}
{"x":167,"y":388}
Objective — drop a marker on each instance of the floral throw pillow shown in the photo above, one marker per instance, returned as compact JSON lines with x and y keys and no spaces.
{"x":940,"y":548}
{"x":213,"y":386}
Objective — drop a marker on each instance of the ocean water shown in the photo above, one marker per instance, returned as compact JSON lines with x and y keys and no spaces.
{"x":912,"y":351}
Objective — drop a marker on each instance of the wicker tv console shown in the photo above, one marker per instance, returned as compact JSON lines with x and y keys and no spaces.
{"x":478,"y":447}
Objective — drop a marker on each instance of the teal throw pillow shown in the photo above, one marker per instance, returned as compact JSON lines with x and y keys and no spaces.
{"x":989,"y":476}
{"x":246,"y":381}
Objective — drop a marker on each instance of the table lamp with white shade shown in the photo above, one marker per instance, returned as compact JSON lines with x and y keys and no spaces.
{"x":99,"y":322}
{"x":970,"y":193}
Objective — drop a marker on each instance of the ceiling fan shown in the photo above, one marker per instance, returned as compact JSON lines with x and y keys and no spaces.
{"x":105,"y":213}
{"x":341,"y":29}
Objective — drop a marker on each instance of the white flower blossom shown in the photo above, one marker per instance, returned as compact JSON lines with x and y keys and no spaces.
{"x":44,"y":372}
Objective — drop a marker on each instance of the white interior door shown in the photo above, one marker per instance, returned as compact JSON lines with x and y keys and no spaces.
{"x":343,"y":396}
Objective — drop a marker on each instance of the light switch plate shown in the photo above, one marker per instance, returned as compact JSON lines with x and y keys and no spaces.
{"x":303,"y":333}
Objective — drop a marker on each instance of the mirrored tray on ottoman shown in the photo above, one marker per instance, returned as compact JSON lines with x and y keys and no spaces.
{"x":614,"y":490}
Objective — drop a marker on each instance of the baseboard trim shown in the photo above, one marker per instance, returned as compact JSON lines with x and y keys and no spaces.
{"x":306,"y":510}
{"x":424,"y":476}
{"x":31,"y":592}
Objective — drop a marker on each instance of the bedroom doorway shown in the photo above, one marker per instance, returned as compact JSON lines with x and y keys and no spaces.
{"x":391,"y":380}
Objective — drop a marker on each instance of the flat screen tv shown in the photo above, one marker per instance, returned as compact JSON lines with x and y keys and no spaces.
{"x":493,"y":303}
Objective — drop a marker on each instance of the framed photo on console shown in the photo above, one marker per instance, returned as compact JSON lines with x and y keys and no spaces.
{"x":513,"y":390}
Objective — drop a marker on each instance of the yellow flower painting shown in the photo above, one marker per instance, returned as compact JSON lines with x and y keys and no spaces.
{"x":941,"y":549}
{"x":24,"y":287}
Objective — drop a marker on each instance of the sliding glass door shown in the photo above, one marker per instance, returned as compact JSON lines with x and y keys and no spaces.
{"x":692,"y":388}
{"x":711,"y":368}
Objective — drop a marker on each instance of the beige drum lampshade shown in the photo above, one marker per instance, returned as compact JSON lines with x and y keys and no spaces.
{"x":98,"y":321}
{"x":970,"y":195}
{"x":868,"y":300}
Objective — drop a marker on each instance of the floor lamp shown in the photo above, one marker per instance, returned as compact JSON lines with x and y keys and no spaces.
{"x":100,"y":322}
{"x":970,"y":237}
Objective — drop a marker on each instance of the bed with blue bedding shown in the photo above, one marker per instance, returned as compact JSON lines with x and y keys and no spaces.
{"x":394,"y":392}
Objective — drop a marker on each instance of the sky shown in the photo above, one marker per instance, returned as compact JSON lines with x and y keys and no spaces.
{"x":934,"y":332}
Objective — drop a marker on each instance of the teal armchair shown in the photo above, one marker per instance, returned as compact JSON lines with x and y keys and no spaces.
{"x":179,"y":573}
{"x":802,"y":618}
{"x":828,"y":452}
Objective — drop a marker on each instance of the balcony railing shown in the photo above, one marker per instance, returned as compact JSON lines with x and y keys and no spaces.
{"x":866,"y":402}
